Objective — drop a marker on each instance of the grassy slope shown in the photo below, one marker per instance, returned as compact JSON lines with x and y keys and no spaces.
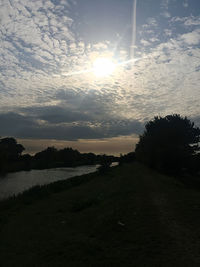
{"x":130,"y":216}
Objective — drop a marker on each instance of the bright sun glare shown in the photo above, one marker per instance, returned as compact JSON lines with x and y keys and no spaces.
{"x":103,"y":67}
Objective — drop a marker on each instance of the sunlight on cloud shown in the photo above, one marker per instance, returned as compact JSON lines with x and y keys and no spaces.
{"x":103,"y":67}
{"x":39,"y":65}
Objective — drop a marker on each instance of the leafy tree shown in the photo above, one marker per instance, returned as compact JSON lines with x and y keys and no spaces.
{"x":10,"y":154}
{"x":9,"y":149}
{"x":168,"y":143}
{"x":46,"y":158}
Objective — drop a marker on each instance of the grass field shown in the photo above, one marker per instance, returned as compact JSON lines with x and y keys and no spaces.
{"x":130,"y":216}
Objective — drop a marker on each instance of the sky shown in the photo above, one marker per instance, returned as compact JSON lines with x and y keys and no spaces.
{"x":50,"y":94}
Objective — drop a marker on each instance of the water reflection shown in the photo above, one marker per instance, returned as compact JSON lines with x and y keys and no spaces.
{"x":17,"y":182}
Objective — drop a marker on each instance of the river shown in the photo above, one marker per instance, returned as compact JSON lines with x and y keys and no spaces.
{"x":17,"y":182}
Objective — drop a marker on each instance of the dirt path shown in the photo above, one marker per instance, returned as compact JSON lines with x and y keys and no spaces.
{"x":178,"y":214}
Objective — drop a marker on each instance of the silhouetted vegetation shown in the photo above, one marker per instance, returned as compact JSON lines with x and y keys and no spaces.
{"x":67,"y":157}
{"x":130,"y":157}
{"x":11,"y":158}
{"x":10,"y":154}
{"x":170,"y":144}
{"x":105,"y":163}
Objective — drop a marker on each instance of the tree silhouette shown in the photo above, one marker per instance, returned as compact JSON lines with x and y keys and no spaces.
{"x":168,"y":143}
{"x":10,"y":154}
{"x":9,"y":149}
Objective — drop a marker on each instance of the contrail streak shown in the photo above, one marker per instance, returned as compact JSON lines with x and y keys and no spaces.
{"x":128,"y":61}
{"x":132,"y":48}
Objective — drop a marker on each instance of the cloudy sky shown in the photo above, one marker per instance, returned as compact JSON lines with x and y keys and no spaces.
{"x":50,"y":92}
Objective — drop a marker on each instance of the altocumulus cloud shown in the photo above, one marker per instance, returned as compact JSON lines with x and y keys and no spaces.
{"x":40,"y":48}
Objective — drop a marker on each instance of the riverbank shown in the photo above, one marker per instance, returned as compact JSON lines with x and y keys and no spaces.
{"x":129,"y":216}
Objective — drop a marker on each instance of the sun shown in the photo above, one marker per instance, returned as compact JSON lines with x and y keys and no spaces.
{"x":103,"y":67}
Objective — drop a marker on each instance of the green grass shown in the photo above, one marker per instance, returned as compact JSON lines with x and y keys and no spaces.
{"x":129,"y":216}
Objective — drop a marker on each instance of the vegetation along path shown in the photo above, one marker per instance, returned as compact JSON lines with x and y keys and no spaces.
{"x":129,"y":216}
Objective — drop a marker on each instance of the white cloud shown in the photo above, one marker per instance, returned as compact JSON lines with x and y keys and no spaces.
{"x":145,"y":42}
{"x":178,"y":19}
{"x":187,"y":21}
{"x":168,"y":32}
{"x":191,"y":38}
{"x":154,"y":39}
{"x":185,"y":4}
{"x":192,"y":21}
{"x":151,"y":22}
{"x":165,"y":4}
{"x":166,"y":14}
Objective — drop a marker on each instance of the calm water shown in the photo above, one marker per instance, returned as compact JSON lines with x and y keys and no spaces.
{"x":17,"y":182}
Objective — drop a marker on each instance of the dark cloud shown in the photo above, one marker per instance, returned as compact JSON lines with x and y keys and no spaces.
{"x":97,"y":105}
{"x":123,"y":127}
{"x":27,"y":126}
{"x":56,"y":114}
{"x":12,"y":124}
{"x":67,"y":132}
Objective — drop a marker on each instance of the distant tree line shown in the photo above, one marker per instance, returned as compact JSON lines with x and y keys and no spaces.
{"x":12,"y":159}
